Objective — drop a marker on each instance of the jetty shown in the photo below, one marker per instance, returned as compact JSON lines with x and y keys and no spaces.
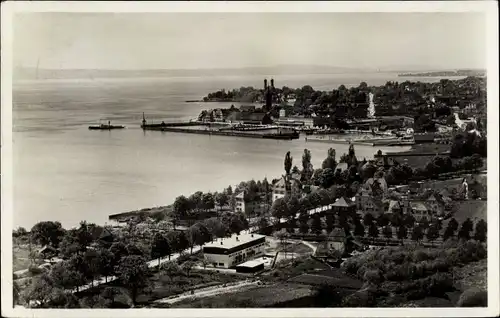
{"x":224,"y":129}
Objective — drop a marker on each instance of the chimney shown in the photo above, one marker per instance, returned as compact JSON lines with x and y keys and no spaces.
{"x":265,"y":83}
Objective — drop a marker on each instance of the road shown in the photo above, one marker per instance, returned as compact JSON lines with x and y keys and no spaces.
{"x":210,"y":291}
{"x":151,"y":264}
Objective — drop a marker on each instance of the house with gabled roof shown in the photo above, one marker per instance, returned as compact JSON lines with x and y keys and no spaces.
{"x":285,"y":186}
{"x":344,"y":206}
{"x":367,"y":203}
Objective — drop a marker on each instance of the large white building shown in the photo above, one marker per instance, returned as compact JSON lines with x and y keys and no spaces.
{"x":229,"y":252}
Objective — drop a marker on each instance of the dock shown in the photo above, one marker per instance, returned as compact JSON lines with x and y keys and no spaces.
{"x":225,"y":129}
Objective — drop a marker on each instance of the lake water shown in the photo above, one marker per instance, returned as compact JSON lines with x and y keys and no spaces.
{"x":65,"y":172}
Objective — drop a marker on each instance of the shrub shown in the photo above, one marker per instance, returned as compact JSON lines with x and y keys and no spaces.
{"x":359,"y":299}
{"x":473,"y":297}
{"x":35,"y":270}
{"x":373,"y":276}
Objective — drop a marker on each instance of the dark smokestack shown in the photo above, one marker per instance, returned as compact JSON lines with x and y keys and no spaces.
{"x":272,"y":83}
{"x":265,"y":83}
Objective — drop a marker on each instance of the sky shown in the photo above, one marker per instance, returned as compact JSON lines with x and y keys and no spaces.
{"x":234,"y":40}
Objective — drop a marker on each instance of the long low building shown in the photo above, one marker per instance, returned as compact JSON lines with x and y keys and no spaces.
{"x":229,"y":252}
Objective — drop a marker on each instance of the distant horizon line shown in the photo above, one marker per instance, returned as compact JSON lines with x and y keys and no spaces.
{"x":374,"y":69}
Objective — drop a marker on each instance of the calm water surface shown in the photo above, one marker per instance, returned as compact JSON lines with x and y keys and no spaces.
{"x":65,"y":172}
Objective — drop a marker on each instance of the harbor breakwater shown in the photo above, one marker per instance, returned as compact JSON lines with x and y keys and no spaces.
{"x":221,"y":129}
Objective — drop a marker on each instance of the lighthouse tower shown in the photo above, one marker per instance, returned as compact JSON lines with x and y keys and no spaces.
{"x":143,"y":121}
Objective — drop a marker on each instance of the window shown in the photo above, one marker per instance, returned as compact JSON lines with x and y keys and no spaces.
{"x":221,"y":264}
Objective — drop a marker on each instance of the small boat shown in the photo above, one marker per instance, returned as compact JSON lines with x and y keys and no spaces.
{"x":106,"y":126}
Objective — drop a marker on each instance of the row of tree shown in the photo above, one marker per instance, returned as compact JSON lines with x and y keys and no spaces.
{"x":84,"y":263}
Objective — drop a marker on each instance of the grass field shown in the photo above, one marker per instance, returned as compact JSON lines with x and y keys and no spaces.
{"x":20,"y":256}
{"x":471,"y":209}
{"x":163,"y":286}
{"x":262,"y":296}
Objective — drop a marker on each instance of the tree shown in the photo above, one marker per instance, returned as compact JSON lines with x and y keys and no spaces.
{"x":464,"y":231}
{"x":307,"y":168}
{"x":293,"y":207}
{"x":222,"y":199}
{"x":327,"y":178}
{"x":215,"y":227}
{"x":238,"y":223}
{"x":330,"y":222}
{"x":402,"y":232}
{"x":409,"y":220}
{"x":20,"y":232}
{"x":187,"y":266}
{"x":316,"y":226}
{"x":262,"y":223}
{"x":368,"y":171}
{"x":368,"y":219}
{"x":480,"y":231}
{"x":119,"y":251}
{"x":424,"y":222}
{"x":417,"y":233}
{"x":329,"y":161}
{"x":62,"y":275}
{"x":387,"y":231}
{"x":396,"y":219}
{"x":133,"y":272}
{"x":170,"y":269}
{"x":382,"y":220}
{"x":432,"y":233}
{"x":84,"y":235}
{"x":181,"y":207}
{"x":373,"y":230}
{"x":47,"y":233}
{"x":197,"y":235}
{"x":91,"y":258}
{"x":69,"y":244}
{"x":39,"y":291}
{"x":279,"y":209}
{"x":160,"y":247}
{"x":134,"y":248}
{"x":105,"y":266}
{"x":208,"y":201}
{"x":288,"y":163}
{"x":303,"y":227}
{"x":359,"y":229}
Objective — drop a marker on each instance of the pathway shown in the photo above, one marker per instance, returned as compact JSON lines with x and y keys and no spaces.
{"x":151,"y":264}
{"x":209,"y":291}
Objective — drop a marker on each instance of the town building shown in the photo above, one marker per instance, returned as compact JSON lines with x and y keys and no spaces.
{"x":344,"y":206}
{"x":249,"y":208}
{"x":237,"y":249}
{"x":366,"y":203}
{"x":281,"y":188}
{"x":251,"y":118}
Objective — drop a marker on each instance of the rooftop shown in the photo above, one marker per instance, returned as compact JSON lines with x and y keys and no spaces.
{"x":252,"y":263}
{"x":343,"y":202}
{"x":234,"y":240}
